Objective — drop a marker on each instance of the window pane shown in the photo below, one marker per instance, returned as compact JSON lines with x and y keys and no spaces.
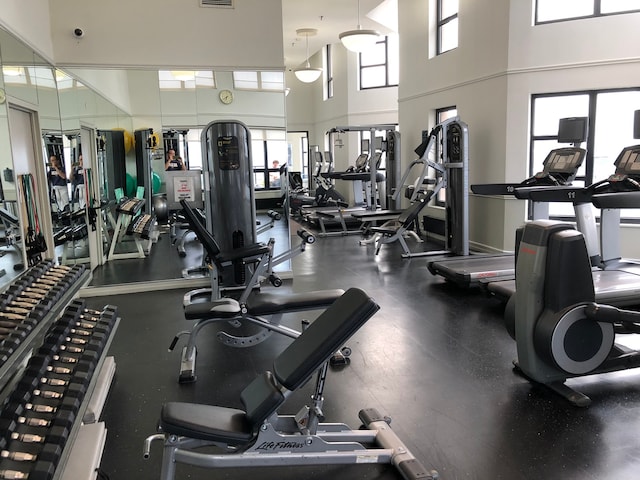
{"x":257,"y":153}
{"x":373,"y":56}
{"x":276,"y":152}
{"x":449,"y":36}
{"x":272,"y":80}
{"x":614,"y":130}
{"x":43,"y":77}
{"x":449,"y":7}
{"x":609,"y":6}
{"x":63,"y":80}
{"x":205,"y":79}
{"x":195,"y":150}
{"x":14,"y":74}
{"x":549,"y":110}
{"x":556,"y":10}
{"x":246,"y":80}
{"x":258,"y":180}
{"x":276,"y":135}
{"x":373,"y":77}
{"x":393,"y":59}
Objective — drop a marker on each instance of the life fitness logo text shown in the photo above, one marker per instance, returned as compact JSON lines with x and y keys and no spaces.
{"x":272,"y":446}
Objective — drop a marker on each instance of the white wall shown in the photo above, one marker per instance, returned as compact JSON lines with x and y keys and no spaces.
{"x":110,"y":83}
{"x":595,"y":53}
{"x":29,"y":21}
{"x":348,"y":107}
{"x":145,"y":33}
{"x":501,"y":60}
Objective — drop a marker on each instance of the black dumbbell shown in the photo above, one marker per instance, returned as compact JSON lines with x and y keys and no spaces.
{"x":42,"y":470}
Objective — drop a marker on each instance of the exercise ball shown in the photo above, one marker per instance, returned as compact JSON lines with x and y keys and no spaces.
{"x":130,"y":186}
{"x":156,"y":182}
{"x":129,"y":141}
{"x":160,"y":208}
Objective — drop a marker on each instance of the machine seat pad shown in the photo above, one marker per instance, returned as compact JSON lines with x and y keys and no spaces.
{"x":244,"y":252}
{"x":272,"y":303}
{"x":206,"y":422}
{"x":221,"y":308}
{"x":384,"y":230}
{"x":367,"y":215}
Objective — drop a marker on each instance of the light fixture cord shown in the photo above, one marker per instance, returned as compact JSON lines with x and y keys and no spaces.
{"x":308,"y":64}
{"x":359,"y":26}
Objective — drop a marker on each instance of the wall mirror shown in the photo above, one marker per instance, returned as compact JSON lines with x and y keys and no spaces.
{"x":77,"y":119}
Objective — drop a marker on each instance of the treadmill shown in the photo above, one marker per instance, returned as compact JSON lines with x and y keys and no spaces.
{"x":616,"y":280}
{"x":340,"y":213}
{"x":560,"y":167}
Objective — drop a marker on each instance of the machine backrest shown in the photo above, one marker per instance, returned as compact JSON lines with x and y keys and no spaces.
{"x":302,"y":358}
{"x":325,"y":336}
{"x":205,"y":236}
{"x":410,"y":214}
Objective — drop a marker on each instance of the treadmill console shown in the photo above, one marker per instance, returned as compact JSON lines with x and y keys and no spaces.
{"x":562,"y":164}
{"x":628,"y":162}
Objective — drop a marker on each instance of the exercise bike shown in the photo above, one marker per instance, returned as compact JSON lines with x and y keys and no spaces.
{"x":559,"y":329}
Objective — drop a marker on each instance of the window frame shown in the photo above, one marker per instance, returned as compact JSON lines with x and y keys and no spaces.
{"x":328,"y":69}
{"x":266,"y":170}
{"x":597,"y":12}
{"x":442,"y":22}
{"x":362,"y":68}
{"x":259,"y":81}
{"x":589,"y":144}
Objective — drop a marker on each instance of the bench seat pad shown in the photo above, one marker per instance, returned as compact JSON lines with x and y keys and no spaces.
{"x":206,"y":422}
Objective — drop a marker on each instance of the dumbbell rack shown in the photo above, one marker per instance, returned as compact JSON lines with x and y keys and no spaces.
{"x":53,"y":376}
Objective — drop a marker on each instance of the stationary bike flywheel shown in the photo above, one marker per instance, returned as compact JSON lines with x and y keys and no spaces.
{"x":571,"y":341}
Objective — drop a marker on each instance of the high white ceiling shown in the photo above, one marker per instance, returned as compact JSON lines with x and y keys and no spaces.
{"x":330,"y":18}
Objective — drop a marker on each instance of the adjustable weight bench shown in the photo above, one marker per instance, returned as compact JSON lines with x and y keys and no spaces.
{"x":252,"y":306}
{"x":258,"y":436}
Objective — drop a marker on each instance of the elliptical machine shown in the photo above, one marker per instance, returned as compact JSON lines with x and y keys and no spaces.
{"x":559,"y":329}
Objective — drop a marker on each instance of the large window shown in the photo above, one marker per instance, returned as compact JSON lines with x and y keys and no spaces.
{"x":269,"y":151}
{"x":610,"y":114}
{"x":558,"y":10}
{"x":379,"y":65}
{"x":447,"y":25}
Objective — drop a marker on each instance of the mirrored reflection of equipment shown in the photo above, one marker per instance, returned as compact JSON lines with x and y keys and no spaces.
{"x":111,"y":163}
{"x":324,"y":193}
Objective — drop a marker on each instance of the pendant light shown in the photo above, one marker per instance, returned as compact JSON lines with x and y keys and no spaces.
{"x":307,"y":74}
{"x":359,"y":40}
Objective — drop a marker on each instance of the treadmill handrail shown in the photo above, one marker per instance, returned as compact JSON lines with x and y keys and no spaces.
{"x":617,"y":200}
